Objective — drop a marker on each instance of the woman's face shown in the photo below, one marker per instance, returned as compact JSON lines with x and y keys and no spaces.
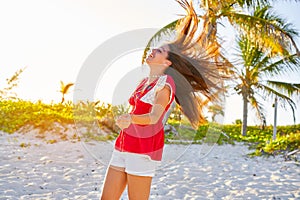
{"x":159,"y":56}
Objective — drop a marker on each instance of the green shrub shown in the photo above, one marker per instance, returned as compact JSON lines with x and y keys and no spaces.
{"x":24,"y":116}
{"x":288,"y":137}
{"x":20,"y":115}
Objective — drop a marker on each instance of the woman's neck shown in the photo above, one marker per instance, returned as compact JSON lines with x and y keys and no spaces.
{"x":153,"y":76}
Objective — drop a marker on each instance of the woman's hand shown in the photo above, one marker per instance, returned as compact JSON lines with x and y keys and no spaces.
{"x":123,"y":121}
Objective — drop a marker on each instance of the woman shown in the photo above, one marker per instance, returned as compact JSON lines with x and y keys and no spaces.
{"x":178,"y":71}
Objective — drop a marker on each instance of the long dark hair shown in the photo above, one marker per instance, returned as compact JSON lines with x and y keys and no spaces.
{"x":196,"y":72}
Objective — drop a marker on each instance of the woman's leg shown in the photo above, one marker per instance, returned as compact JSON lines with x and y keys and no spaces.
{"x":115,"y":183}
{"x":138,"y":187}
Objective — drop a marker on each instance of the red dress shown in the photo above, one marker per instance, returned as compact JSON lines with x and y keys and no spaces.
{"x":146,"y":139}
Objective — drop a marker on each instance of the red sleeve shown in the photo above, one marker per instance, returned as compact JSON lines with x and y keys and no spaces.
{"x":171,"y":83}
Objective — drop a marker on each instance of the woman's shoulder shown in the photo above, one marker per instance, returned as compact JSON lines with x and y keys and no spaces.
{"x":170,"y":80}
{"x":165,"y":80}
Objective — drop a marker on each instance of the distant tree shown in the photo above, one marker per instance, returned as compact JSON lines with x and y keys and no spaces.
{"x":11,"y":83}
{"x":215,"y":110}
{"x":64,"y":89}
{"x":257,"y":75}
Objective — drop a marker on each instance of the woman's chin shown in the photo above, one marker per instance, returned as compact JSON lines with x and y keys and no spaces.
{"x":148,"y":61}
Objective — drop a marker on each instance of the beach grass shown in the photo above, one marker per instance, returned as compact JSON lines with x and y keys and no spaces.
{"x":95,"y":121}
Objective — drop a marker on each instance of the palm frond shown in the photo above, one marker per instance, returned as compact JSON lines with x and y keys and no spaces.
{"x":288,"y":88}
{"x":265,"y":28}
{"x":270,"y":92}
{"x":264,"y":61}
{"x":65,"y":88}
{"x":251,"y":3}
{"x":287,"y":64}
{"x":251,"y":53}
{"x":260,"y":111}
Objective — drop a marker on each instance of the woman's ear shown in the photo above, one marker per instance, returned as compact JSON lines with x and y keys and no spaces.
{"x":167,"y":63}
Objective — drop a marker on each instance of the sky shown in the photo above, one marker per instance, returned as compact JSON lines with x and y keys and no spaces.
{"x":53,"y":38}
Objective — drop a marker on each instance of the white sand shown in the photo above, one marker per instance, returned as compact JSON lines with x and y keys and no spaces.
{"x":66,"y":170}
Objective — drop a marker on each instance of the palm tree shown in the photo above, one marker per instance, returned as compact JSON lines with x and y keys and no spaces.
{"x":256,"y":20}
{"x":215,"y":109}
{"x":11,"y":83}
{"x":263,"y":27}
{"x":256,"y":78}
{"x":64,"y":89}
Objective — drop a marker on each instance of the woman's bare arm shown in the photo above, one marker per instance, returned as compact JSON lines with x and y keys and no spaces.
{"x":160,"y":103}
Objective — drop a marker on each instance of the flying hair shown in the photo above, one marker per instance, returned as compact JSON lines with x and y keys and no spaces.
{"x":197,"y":74}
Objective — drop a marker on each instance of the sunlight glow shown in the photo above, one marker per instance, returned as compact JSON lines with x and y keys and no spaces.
{"x":53,"y":38}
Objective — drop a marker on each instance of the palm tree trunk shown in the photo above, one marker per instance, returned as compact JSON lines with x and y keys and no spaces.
{"x":63,"y":98}
{"x":245,"y":114}
{"x":213,"y":117}
{"x":275,"y":119}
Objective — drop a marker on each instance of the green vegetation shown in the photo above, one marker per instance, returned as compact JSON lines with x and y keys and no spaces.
{"x":58,"y":119}
{"x":260,"y":140}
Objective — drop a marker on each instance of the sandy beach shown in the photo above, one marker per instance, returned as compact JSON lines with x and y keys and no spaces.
{"x":76,"y":170}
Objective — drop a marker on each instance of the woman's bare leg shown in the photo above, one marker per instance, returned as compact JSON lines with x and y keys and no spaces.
{"x":138,"y":187}
{"x":115,"y":183}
